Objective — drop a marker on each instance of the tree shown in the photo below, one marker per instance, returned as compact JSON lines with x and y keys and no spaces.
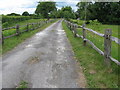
{"x":25,"y":13}
{"x":45,"y":8}
{"x":83,"y":10}
{"x":104,"y":12}
{"x":67,"y":12}
{"x":54,"y":14}
{"x":13,"y":14}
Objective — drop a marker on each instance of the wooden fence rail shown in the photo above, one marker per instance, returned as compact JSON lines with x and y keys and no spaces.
{"x":107,"y":41}
{"x":29,"y":26}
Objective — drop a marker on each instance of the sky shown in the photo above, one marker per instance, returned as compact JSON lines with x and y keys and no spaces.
{"x":19,"y":6}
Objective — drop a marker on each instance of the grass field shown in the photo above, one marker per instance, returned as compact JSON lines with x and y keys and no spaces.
{"x":96,"y":72}
{"x":99,"y":41}
{"x":10,"y":43}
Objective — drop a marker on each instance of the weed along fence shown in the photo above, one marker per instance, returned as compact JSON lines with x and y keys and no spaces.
{"x":17,"y":30}
{"x":108,"y":38}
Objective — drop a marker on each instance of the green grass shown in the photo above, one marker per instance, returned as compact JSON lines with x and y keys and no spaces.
{"x":13,"y":31}
{"x":23,"y":84}
{"x":10,"y":43}
{"x":99,"y":41}
{"x":101,"y":28}
{"x":95,"y":71}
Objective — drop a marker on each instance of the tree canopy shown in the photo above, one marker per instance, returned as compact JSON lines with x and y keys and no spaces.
{"x":105,"y":12}
{"x":66,"y":12}
{"x":13,"y":14}
{"x":25,"y":13}
{"x":45,"y":8}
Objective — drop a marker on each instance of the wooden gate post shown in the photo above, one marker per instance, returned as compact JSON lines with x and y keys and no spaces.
{"x":107,"y":46}
{"x":17,"y":30}
{"x":84,"y":35}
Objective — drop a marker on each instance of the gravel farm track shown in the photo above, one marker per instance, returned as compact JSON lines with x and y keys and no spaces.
{"x":45,"y":60}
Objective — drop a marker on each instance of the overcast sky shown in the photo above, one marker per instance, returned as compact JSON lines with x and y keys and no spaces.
{"x":19,"y":6}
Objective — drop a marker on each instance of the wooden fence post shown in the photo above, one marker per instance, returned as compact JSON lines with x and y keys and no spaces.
{"x":70,"y":25}
{"x":2,"y":39}
{"x":33,"y":26}
{"x":27,"y":27}
{"x":46,"y":21}
{"x":17,"y":30}
{"x":75,"y":31}
{"x":84,"y":35}
{"x":39,"y":24}
{"x":107,"y":46}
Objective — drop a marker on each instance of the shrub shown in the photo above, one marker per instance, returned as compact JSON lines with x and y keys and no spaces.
{"x":95,"y":22}
{"x":5,"y":24}
{"x":7,"y":20}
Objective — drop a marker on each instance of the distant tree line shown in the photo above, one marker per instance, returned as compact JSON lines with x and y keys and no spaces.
{"x":104,"y":12}
{"x":49,"y":10}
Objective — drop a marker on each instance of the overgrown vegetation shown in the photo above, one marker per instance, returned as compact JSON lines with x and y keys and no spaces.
{"x":96,"y":72}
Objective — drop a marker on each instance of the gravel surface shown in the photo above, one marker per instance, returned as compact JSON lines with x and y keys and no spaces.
{"x":45,"y":60}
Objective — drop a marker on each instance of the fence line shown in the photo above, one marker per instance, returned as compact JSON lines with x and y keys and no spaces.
{"x":18,"y":32}
{"x":107,"y":41}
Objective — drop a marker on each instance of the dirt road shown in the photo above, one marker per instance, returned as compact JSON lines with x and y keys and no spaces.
{"x":45,"y":60}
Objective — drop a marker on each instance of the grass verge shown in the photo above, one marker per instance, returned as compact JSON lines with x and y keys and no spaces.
{"x":96,"y":73}
{"x":12,"y":42}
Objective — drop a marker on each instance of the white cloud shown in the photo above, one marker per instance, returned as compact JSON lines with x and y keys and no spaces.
{"x":19,"y":6}
{"x":18,"y":10}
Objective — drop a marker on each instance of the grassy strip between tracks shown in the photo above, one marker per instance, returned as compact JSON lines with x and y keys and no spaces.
{"x":12,"y":42}
{"x":96,"y":73}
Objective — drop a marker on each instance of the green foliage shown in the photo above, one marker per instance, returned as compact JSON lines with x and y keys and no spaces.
{"x":23,"y":84}
{"x":45,"y":8}
{"x":25,"y":13}
{"x":53,"y":14}
{"x":64,"y":12}
{"x":104,"y":12}
{"x":67,"y":12}
{"x":94,"y":22}
{"x":79,"y":22}
{"x":5,"y":24}
{"x":7,"y":20}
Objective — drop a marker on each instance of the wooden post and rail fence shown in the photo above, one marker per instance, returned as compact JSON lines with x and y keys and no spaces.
{"x":28,"y":27}
{"x":108,"y":38}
